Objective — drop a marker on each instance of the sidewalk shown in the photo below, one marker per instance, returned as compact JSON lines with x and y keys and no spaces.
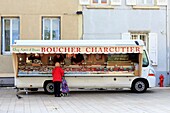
{"x":155,"y":100}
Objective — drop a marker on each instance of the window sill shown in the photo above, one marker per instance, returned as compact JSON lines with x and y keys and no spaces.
{"x":6,"y":54}
{"x":99,"y":7}
{"x":147,"y":7}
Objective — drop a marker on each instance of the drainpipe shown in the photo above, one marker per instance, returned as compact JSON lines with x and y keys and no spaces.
{"x":167,"y":42}
{"x":81,"y":21}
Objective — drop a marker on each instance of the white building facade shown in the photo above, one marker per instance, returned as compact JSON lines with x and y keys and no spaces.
{"x":131,"y":19}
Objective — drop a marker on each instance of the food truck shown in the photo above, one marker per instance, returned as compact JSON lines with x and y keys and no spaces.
{"x":86,"y":64}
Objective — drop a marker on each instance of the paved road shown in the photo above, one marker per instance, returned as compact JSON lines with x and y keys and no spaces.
{"x":155,"y":100}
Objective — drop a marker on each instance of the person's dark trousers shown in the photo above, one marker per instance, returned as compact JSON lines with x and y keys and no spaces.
{"x":57,"y":88}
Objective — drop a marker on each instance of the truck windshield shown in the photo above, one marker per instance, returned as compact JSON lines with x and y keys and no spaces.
{"x":145,"y":59}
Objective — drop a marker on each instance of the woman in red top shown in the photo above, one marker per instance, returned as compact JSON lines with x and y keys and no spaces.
{"x":57,"y":73}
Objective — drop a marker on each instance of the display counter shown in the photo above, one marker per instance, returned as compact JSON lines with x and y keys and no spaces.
{"x":91,"y":65}
{"x":79,"y":70}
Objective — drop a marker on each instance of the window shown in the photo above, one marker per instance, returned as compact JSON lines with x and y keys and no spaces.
{"x":51,"y":29}
{"x":100,"y":2}
{"x":140,"y":36}
{"x":150,"y":41}
{"x":146,"y":2}
{"x":106,"y":3}
{"x":10,"y":32}
{"x":145,"y":59}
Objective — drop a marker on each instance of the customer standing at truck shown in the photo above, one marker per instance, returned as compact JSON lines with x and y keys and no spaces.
{"x":57,"y":74}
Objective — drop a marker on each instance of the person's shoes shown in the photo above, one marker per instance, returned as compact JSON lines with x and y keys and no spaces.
{"x":57,"y":96}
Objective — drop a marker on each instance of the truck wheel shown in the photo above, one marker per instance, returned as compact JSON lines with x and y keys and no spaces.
{"x":49,"y":87}
{"x":139,"y":86}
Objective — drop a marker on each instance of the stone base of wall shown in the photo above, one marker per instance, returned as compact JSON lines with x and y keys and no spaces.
{"x":6,"y":81}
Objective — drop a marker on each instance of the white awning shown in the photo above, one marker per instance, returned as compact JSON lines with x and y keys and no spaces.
{"x":77,"y":46}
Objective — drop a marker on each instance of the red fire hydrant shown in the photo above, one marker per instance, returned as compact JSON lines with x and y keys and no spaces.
{"x":161,"y":80}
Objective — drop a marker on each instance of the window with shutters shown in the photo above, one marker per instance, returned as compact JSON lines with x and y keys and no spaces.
{"x":145,"y":2}
{"x":150,"y":41}
{"x":141,"y":36}
{"x":100,"y":2}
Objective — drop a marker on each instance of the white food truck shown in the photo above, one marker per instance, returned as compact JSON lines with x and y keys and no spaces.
{"x":87,"y":64}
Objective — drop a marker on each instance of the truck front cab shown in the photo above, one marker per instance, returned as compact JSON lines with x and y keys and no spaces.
{"x":147,"y":78}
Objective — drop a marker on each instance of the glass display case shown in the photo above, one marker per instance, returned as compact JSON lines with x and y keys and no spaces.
{"x":78,"y":64}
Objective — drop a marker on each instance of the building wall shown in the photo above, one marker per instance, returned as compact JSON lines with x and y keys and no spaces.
{"x":31,"y":12}
{"x":113,"y":22}
{"x":168,"y":42}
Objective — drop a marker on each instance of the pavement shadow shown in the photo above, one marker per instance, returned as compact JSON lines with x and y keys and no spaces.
{"x":88,"y":91}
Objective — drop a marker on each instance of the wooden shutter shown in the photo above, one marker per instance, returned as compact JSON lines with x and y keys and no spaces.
{"x":126,"y":36}
{"x":116,"y":2}
{"x":84,"y":2}
{"x":153,"y":48}
{"x":130,"y":2}
{"x":162,"y":2}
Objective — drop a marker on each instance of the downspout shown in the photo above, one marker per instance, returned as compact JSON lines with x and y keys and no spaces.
{"x":83,"y":8}
{"x":81,"y":21}
{"x":167,"y":43}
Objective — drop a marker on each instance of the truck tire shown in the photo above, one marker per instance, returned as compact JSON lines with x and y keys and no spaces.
{"x":49,"y":87}
{"x":139,"y":86}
